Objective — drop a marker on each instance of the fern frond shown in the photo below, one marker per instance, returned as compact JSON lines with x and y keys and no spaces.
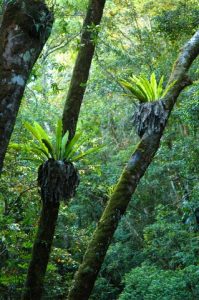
{"x":145,"y":90}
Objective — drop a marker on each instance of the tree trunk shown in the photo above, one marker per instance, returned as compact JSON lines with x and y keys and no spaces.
{"x":135,"y":169}
{"x":41,"y":252}
{"x":82,"y":66}
{"x":25,"y":27}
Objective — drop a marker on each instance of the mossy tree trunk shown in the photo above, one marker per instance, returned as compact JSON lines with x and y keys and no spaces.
{"x":82,"y":66}
{"x":25,"y":27}
{"x":135,"y":169}
{"x":42,"y":244}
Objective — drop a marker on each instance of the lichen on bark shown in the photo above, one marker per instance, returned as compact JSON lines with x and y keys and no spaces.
{"x":25,"y":27}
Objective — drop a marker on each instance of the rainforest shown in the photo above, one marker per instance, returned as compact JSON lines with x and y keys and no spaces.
{"x":99,"y":149}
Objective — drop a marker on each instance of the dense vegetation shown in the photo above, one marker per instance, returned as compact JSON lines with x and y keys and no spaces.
{"x":154,"y":253}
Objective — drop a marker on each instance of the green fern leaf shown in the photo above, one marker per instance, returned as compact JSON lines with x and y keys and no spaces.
{"x":63,"y":144}
{"x":49,"y":147}
{"x":83,"y":154}
{"x":58,"y":138}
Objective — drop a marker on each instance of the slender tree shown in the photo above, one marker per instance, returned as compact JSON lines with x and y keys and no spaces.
{"x":46,"y":228}
{"x":137,"y":165}
{"x":25,"y":27}
{"x":82,"y":66}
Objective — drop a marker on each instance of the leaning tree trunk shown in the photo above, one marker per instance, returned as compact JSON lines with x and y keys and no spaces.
{"x":41,"y":251}
{"x":57,"y":181}
{"x":135,"y":169}
{"x":82,"y":66}
{"x":37,"y":268}
{"x":25,"y":27}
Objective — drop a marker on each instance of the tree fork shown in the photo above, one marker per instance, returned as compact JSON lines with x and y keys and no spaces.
{"x":137,"y":165}
{"x":82,"y":66}
{"x":25,"y":27}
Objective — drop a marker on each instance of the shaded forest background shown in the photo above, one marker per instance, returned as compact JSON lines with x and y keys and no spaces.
{"x":154,"y":253}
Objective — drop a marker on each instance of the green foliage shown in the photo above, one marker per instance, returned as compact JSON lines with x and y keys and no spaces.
{"x":159,"y":228}
{"x":143,"y":90}
{"x":181,"y":20}
{"x":168,"y":240}
{"x":59,"y":149}
{"x":105,"y":289}
{"x":150,"y":283}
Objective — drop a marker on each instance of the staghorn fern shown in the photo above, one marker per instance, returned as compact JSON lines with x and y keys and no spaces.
{"x":59,"y":149}
{"x":144,"y":90}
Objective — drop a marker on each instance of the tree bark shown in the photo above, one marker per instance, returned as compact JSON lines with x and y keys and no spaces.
{"x":42,"y":245}
{"x":25,"y":27}
{"x":137,"y":165}
{"x":41,"y":251}
{"x":82,"y":66}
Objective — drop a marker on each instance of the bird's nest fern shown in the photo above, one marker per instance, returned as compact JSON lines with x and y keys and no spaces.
{"x":57,"y":176}
{"x":150,"y":114}
{"x":144,"y":90}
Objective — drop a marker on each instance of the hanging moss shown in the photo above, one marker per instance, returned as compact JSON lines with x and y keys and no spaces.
{"x":150,"y":117}
{"x":57,"y":180}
